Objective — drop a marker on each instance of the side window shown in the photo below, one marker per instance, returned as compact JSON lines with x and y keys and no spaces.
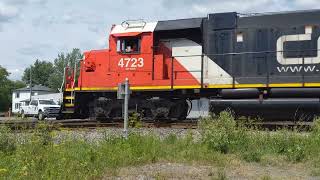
{"x":17,"y":105}
{"x":129,"y":45}
{"x":17,"y":95}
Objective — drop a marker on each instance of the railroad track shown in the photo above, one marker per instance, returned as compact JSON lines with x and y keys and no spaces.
{"x":86,"y":123}
{"x":186,"y":124}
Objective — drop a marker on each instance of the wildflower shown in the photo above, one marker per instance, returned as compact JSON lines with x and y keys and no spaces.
{"x":3,"y":171}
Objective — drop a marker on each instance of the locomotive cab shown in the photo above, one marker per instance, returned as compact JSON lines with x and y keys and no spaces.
{"x":131,"y":53}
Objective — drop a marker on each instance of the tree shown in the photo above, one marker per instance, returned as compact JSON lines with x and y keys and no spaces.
{"x":4,"y":91}
{"x":6,"y":88}
{"x":40,"y":73}
{"x":51,"y":75}
{"x":3,"y":76}
{"x":62,"y":61}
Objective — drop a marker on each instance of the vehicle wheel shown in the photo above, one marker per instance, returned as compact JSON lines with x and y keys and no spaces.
{"x":40,"y":116}
{"x":23,"y":115}
{"x":59,"y":117}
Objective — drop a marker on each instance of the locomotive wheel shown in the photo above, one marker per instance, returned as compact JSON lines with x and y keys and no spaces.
{"x":100,"y":108}
{"x":160,"y":113}
{"x":152,"y":109}
{"x":167,"y":109}
{"x":179,"y":111}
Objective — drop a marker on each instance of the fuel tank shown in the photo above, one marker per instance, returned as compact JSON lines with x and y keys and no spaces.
{"x":271,"y":93}
{"x":271,"y":109}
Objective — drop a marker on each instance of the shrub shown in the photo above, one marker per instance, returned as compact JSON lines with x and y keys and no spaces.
{"x":221,"y":133}
{"x":315,"y":130}
{"x":135,"y":120}
{"x":224,"y":135}
{"x":7,"y":142}
{"x":252,"y":156}
{"x":43,"y":133}
{"x":171,"y":139}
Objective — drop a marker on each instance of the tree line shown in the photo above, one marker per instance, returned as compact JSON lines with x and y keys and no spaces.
{"x":6,"y":88}
{"x":43,"y":72}
{"x":51,"y":74}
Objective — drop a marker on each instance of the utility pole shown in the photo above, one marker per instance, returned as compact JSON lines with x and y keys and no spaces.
{"x":124,"y":93}
{"x":30,"y":85}
{"x":126,"y":105}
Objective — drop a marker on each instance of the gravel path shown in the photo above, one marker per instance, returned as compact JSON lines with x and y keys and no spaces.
{"x":103,"y":133}
{"x":183,"y":171}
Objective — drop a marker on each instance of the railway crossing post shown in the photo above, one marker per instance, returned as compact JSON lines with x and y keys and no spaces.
{"x":124,"y":93}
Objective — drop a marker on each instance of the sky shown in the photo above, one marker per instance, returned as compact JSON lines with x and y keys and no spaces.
{"x":41,"y":29}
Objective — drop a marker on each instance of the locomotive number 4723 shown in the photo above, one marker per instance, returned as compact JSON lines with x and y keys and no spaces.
{"x":131,"y":62}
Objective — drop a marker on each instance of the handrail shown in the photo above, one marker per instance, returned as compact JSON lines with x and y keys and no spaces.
{"x":63,"y":80}
{"x":266,"y":72}
{"x":248,"y":52}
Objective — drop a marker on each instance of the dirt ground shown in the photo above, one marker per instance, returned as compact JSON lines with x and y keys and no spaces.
{"x":183,"y":171}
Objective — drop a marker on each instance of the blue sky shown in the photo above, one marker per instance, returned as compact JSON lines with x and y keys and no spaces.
{"x":40,"y":29}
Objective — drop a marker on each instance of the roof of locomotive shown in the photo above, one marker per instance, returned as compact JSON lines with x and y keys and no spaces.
{"x":279,"y":19}
{"x":179,"y":24}
{"x":131,"y":26}
{"x":244,"y":21}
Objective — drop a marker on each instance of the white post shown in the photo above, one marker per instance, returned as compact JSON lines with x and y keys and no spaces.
{"x":126,"y":104}
{"x":30,"y":84}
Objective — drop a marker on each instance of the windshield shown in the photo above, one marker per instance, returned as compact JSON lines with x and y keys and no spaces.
{"x":49,"y":102}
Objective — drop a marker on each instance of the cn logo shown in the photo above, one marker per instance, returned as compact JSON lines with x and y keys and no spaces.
{"x":297,"y":37}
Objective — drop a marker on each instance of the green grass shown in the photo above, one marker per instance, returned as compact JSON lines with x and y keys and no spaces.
{"x":40,"y":157}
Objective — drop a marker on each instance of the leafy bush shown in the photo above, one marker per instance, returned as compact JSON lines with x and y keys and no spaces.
{"x":222,"y":134}
{"x":252,"y":156}
{"x":135,"y":120}
{"x":43,"y":133}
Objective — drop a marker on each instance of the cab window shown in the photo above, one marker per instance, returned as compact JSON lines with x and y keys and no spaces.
{"x":47,"y":102}
{"x":129,"y":45}
{"x":34,"y":103}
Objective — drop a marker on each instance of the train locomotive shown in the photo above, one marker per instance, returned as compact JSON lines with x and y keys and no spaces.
{"x":259,"y":65}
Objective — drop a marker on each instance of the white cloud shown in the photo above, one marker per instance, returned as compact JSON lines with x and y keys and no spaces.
{"x":7,"y":12}
{"x":245,"y":6}
{"x":102,"y":42}
{"x":15,"y":73}
{"x":307,"y":4}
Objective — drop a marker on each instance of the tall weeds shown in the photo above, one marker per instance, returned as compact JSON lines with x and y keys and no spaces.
{"x":41,"y":156}
{"x":223,"y":134}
